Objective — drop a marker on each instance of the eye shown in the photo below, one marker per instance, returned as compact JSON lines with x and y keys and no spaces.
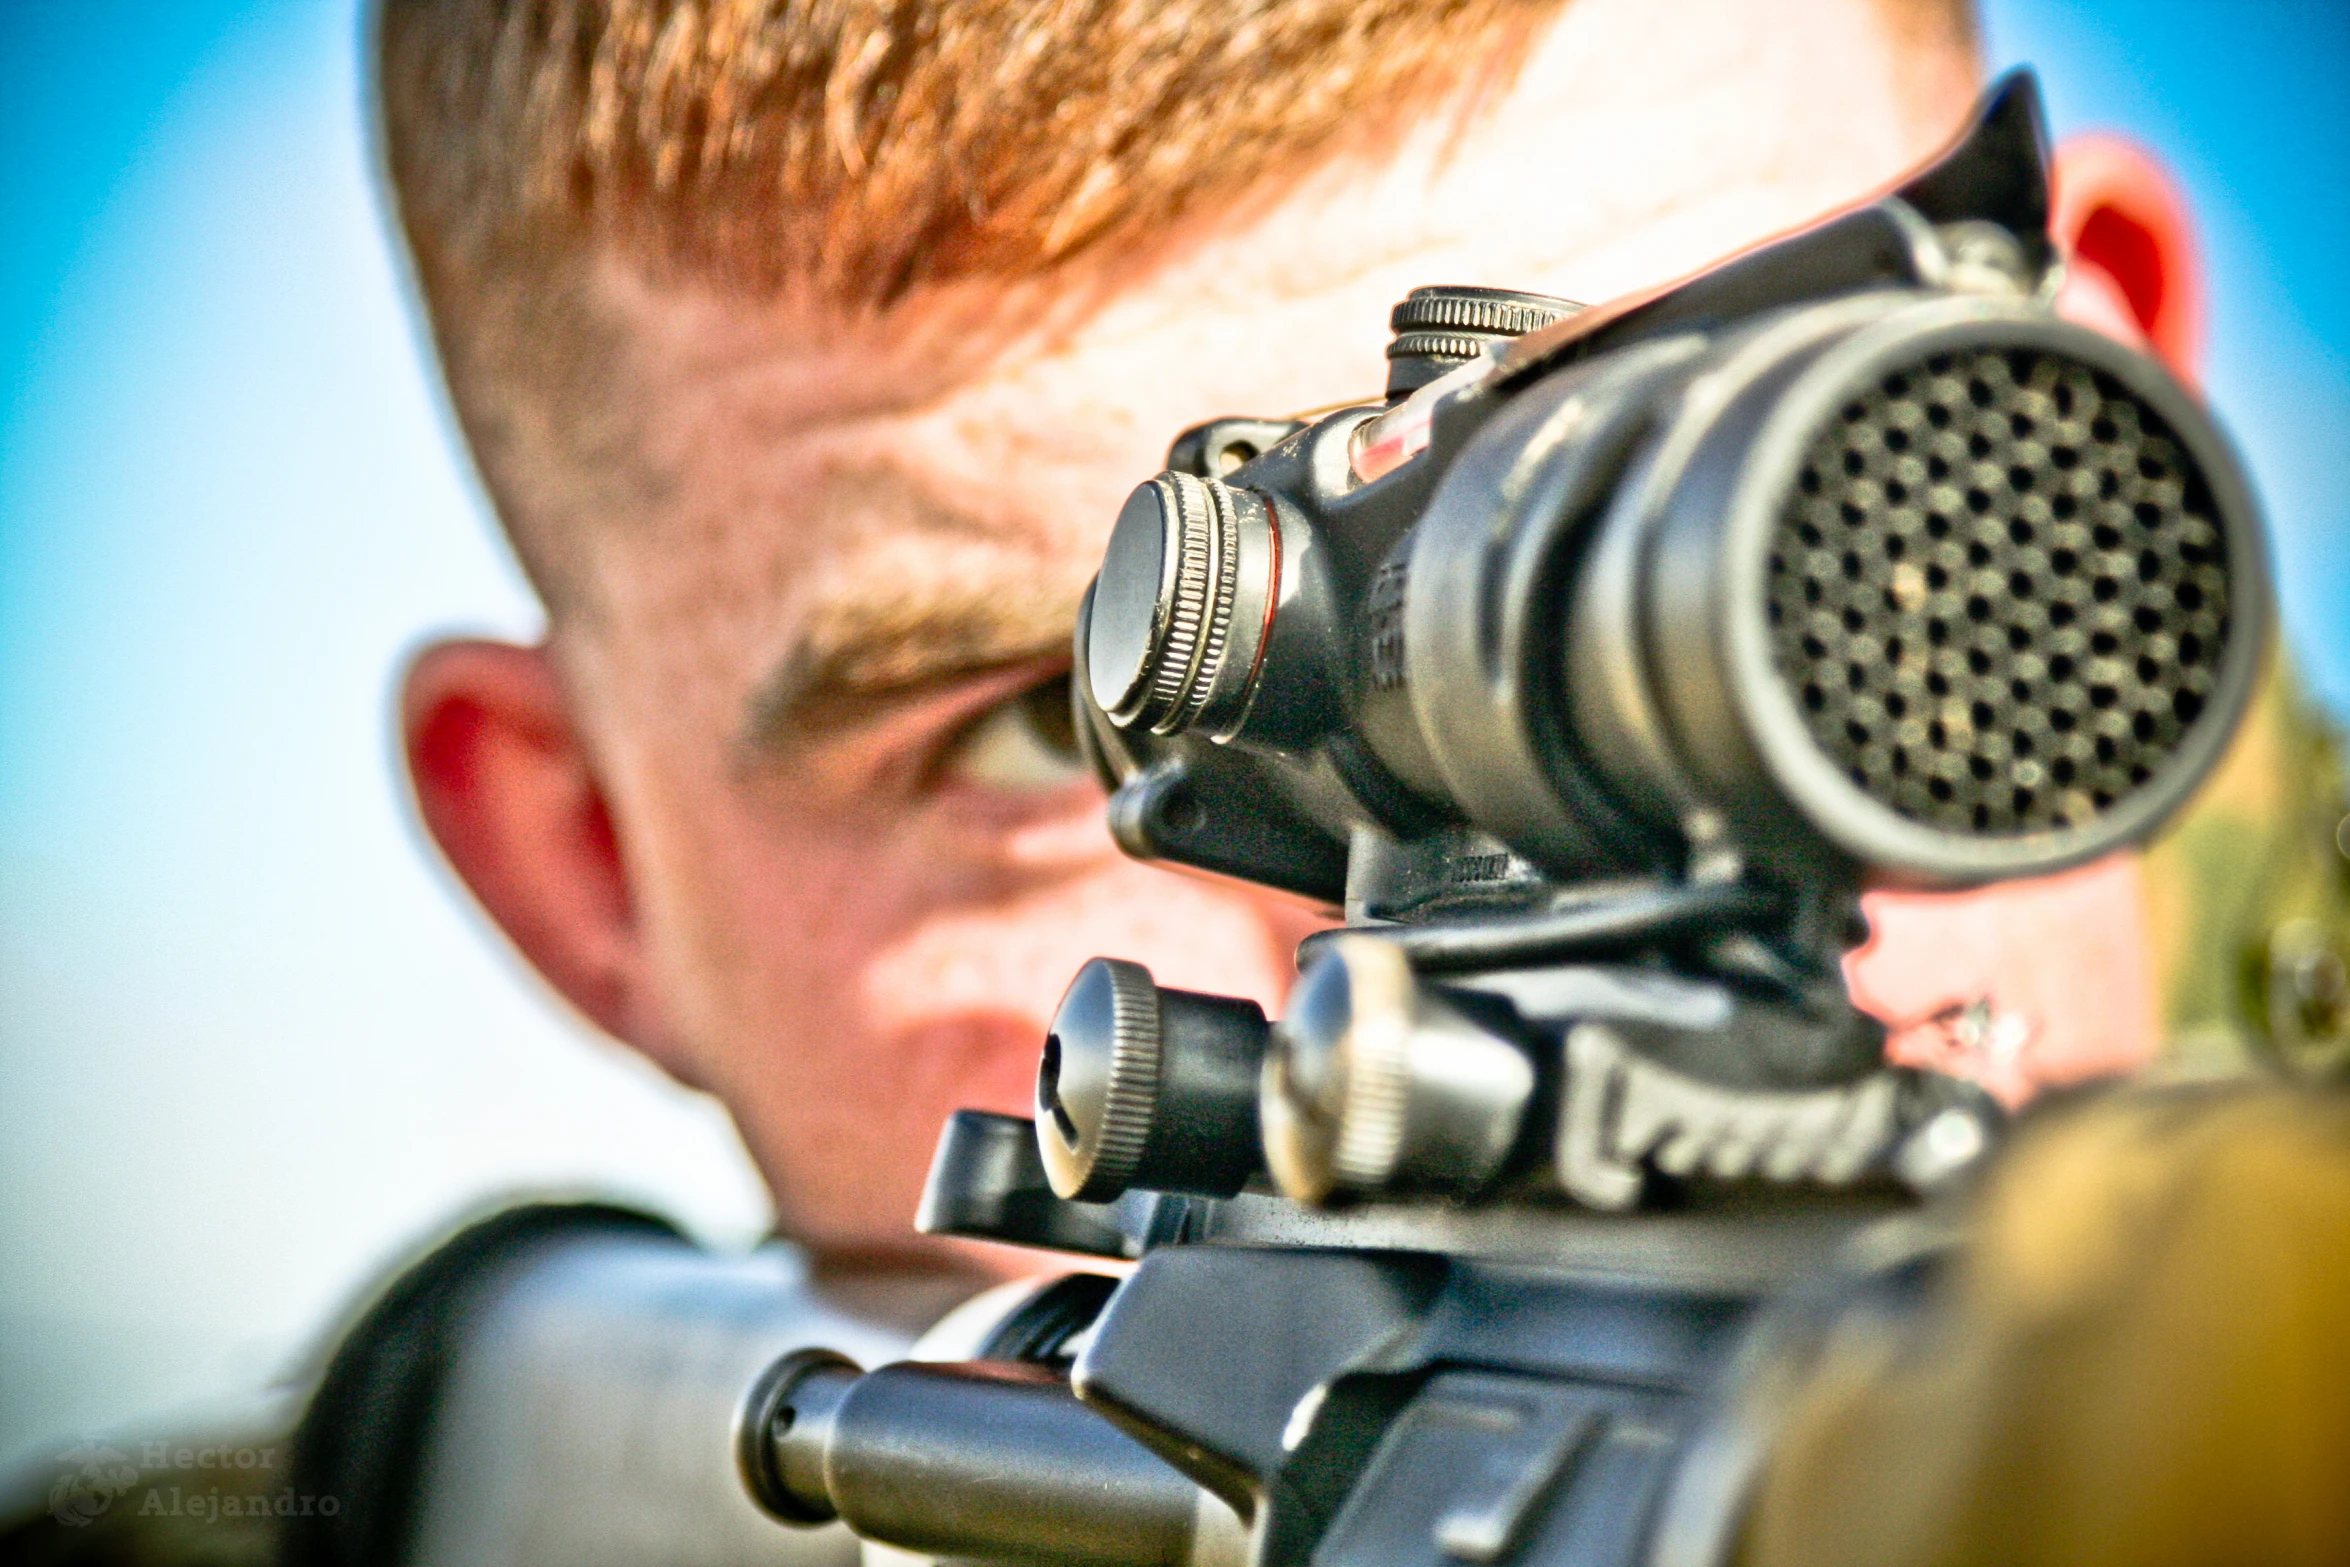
{"x":1027,"y":743}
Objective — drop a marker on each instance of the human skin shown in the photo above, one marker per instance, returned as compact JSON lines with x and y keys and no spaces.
{"x":763,"y":804}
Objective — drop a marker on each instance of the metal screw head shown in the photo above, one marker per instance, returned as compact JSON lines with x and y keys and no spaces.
{"x":1332,"y":1102}
{"x":1374,"y":1084}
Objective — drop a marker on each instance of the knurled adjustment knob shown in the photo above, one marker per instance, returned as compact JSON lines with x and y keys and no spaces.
{"x":1176,"y":620}
{"x":1142,"y":1086}
{"x":1450,"y":324}
{"x":1097,"y":1087}
{"x":1374,"y":1083}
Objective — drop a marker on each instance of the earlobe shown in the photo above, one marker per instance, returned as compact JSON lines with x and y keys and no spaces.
{"x":2124,"y":227}
{"x":507,"y":790}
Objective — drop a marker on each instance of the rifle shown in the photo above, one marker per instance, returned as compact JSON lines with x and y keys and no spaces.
{"x":1595,"y":673}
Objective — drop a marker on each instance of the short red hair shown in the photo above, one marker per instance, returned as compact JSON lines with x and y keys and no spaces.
{"x":857,"y":151}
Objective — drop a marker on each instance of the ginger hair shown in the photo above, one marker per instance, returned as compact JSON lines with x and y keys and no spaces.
{"x":855,"y":153}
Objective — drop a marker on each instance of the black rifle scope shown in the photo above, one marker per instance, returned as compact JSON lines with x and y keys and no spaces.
{"x":1849,"y":560}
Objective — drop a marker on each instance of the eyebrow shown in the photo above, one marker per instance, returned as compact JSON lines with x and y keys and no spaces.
{"x":867,"y":652}
{"x":930,"y":591}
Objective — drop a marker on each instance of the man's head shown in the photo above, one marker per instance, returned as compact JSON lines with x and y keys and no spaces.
{"x":807,"y":351}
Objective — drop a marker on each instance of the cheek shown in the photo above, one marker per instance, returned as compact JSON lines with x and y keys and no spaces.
{"x":794,"y":944}
{"x":760,"y":913}
{"x":1019,"y":955}
{"x":785,"y":919}
{"x":871,"y":994}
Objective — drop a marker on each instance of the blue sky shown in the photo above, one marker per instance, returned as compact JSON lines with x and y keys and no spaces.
{"x":249,"y":1039}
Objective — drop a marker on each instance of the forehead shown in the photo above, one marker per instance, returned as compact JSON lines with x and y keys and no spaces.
{"x":819,"y":481}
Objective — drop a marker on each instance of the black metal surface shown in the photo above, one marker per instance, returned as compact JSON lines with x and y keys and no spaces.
{"x":993,"y":1459}
{"x":1374,"y":1408}
{"x":1041,"y":1330}
{"x":987,"y":1182}
{"x":1997,"y":172}
{"x":1214,"y":449}
{"x":1213,"y":821}
{"x":1473,"y":1467}
{"x":1639,"y":1333}
{"x":1578,"y":933}
{"x":1203,"y":1140}
{"x":1206,"y":1352}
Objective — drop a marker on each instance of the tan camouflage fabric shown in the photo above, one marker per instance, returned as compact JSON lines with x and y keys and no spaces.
{"x":2250,"y":895}
{"x":2143,"y":1359}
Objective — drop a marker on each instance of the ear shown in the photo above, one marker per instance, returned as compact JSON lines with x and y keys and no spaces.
{"x":2123,"y":225}
{"x":507,"y":790}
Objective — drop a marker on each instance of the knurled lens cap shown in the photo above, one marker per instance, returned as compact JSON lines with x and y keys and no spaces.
{"x":1131,"y":600}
